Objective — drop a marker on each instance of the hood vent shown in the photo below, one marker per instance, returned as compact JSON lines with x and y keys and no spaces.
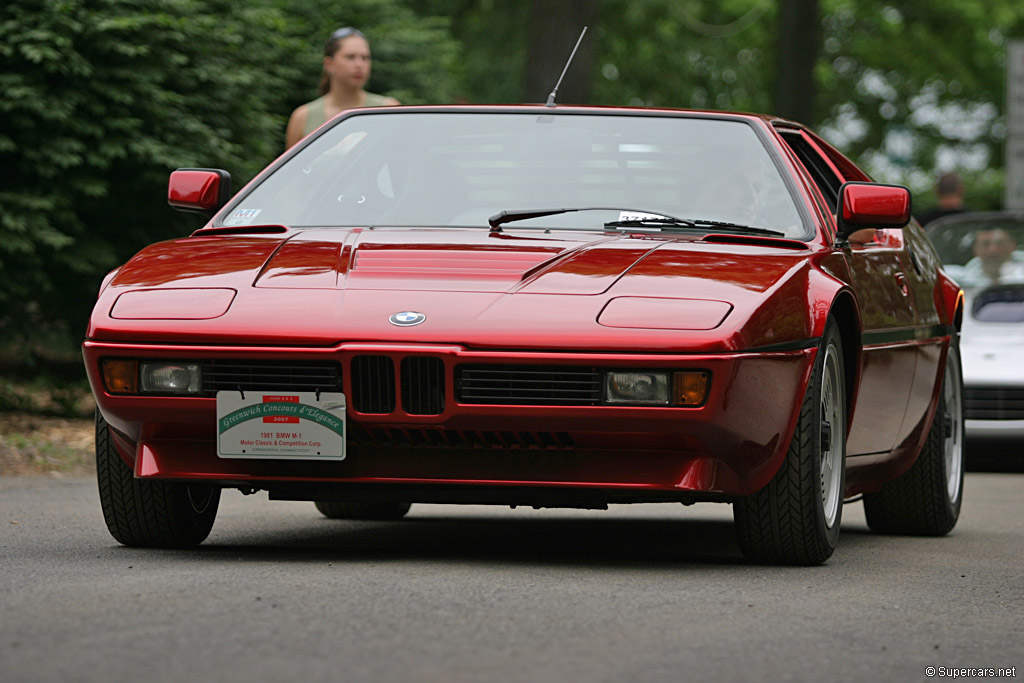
{"x":754,"y":240}
{"x":241,"y":230}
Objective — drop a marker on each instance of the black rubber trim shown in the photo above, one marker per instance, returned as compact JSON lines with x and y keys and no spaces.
{"x":798,"y":345}
{"x":905,"y":334}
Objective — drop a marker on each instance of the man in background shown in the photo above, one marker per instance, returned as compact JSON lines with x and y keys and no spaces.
{"x":951,"y":199}
{"x":996,"y":260}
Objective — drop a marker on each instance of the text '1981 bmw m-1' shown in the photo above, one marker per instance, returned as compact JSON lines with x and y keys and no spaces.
{"x":546,"y":306}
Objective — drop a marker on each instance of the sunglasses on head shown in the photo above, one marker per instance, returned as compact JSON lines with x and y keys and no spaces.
{"x":345,"y":33}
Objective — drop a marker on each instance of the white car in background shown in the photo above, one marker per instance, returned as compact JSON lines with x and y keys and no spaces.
{"x":984,"y":252}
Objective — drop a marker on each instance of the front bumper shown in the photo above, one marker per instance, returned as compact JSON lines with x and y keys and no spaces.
{"x":993,"y":408}
{"x":729,"y":447}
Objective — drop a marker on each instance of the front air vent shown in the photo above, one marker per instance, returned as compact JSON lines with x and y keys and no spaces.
{"x":528,"y":385}
{"x":449,"y":439}
{"x":993,"y":403}
{"x":422,"y":385}
{"x":259,"y":375}
{"x":373,"y":384}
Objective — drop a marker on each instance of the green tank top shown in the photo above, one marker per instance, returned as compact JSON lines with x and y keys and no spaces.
{"x":315,"y":116}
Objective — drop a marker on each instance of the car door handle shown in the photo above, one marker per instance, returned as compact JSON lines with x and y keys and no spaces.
{"x":901,"y":280}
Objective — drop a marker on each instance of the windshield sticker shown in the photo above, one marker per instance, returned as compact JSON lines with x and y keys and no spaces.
{"x":242,"y":217}
{"x":638,"y":216}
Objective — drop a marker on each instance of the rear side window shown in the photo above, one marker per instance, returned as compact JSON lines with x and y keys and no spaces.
{"x":819,"y":169}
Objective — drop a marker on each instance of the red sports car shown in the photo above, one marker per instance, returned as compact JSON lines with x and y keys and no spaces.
{"x":544,"y":306}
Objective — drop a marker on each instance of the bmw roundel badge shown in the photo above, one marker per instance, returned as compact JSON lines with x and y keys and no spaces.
{"x":406,"y":318}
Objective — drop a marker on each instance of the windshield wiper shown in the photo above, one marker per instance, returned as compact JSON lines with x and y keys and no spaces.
{"x":499,"y":219}
{"x":651,"y":219}
{"x":724,"y":226}
{"x":737,"y":227}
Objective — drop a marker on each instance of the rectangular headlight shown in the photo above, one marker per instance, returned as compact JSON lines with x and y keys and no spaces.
{"x":169,"y":378}
{"x":637,"y":388}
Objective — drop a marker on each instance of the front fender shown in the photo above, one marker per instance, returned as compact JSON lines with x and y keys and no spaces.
{"x":949,"y":300}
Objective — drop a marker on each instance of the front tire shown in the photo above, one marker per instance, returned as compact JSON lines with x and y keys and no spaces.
{"x":364,"y":511}
{"x":925,"y":500}
{"x":795,"y":518}
{"x":150,"y":513}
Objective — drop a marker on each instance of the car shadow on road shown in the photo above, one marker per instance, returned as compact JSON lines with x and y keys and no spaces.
{"x":587,"y":542}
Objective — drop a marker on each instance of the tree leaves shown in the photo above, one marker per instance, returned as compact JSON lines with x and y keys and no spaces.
{"x":101,"y":99}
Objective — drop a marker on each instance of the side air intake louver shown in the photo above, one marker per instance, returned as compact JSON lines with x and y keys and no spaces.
{"x":258,"y":375}
{"x":527,"y":385}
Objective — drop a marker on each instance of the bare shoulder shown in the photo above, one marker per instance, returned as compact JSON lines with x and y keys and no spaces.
{"x":299,"y":116}
{"x":296,"y":125}
{"x":391,"y":101}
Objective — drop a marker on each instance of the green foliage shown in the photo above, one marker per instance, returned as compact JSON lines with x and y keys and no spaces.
{"x":906,"y":88}
{"x":101,"y":99}
{"x":917,"y":87}
{"x":670,"y":53}
{"x":493,"y":37}
{"x":414,"y":56}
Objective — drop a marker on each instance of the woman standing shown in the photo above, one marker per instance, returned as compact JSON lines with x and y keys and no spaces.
{"x":346,"y":71}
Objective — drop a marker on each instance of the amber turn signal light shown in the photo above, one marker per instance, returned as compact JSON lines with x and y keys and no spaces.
{"x":689,"y":388}
{"x":121,"y":376}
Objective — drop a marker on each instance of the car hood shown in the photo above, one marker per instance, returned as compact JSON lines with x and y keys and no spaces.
{"x":475,"y":288}
{"x":389,"y":259}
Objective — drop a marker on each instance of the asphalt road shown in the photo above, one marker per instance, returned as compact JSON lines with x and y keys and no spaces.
{"x":636,"y":593}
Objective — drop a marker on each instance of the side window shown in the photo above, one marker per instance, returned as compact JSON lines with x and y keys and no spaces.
{"x":819,"y":169}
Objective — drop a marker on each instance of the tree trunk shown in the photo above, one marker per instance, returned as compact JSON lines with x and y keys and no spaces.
{"x":799,"y":36}
{"x":555,"y":26}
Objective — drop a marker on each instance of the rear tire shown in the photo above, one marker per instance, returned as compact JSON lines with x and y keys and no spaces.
{"x":925,"y":500}
{"x":150,"y":513}
{"x":366,"y":511}
{"x":795,"y":518}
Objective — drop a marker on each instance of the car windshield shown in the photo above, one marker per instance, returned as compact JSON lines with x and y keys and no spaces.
{"x":981,"y":252}
{"x":460,"y":168}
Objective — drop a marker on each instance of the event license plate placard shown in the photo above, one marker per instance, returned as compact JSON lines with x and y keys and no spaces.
{"x":281,"y":426}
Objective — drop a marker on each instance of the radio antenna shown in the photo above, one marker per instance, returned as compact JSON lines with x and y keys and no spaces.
{"x":551,"y":97}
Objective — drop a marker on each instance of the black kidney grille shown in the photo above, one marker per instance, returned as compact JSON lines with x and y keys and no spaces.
{"x":527,"y":385}
{"x":994,"y":403}
{"x":422,"y":385}
{"x":373,"y":384}
{"x":258,"y":375}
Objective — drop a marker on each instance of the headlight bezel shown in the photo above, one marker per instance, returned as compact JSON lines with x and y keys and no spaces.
{"x":669,"y":388}
{"x":133,"y":377}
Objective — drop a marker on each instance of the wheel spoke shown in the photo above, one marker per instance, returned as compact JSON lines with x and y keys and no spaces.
{"x":953,"y":443}
{"x":831,"y":431}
